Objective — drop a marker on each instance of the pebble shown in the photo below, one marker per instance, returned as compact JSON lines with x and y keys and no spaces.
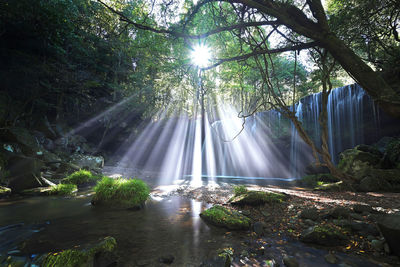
{"x":290,"y":261}
{"x":330,"y":258}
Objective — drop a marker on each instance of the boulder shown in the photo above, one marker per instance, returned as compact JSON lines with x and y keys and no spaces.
{"x":381,"y":180}
{"x":223,"y":217}
{"x":357,"y":163}
{"x":392,"y":154}
{"x":310,"y":213}
{"x":290,"y":261}
{"x":87,"y":161}
{"x":360,"y":208}
{"x":4,"y":191}
{"x":27,"y":141}
{"x":389,"y":225}
{"x":25,"y":173}
{"x":324,"y":235}
{"x":340,"y":212}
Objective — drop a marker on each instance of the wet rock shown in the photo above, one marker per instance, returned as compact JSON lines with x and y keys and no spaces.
{"x":309,"y":222}
{"x":311,"y":214}
{"x":342,"y":222}
{"x":377,"y":244}
{"x":87,"y":161}
{"x":340,"y":212}
{"x":231,"y":219}
{"x":25,"y":173}
{"x":39,"y":191}
{"x":389,"y":225}
{"x":324,"y":235}
{"x":330,"y":258}
{"x":290,"y":261}
{"x":258,"y":228}
{"x":356,"y":216}
{"x":359,"y":208}
{"x":255,"y":198}
{"x":381,"y":180}
{"x":167,"y":259}
{"x":28,"y":143}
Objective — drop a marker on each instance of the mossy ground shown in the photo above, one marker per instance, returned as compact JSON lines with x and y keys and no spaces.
{"x":121,"y":192}
{"x":63,"y":189}
{"x":257,"y":198}
{"x":81,"y":177}
{"x":224,"y":217}
{"x":78,"y":258}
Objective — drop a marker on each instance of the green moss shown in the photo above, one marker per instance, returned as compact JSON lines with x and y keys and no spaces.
{"x":258,"y":198}
{"x":63,"y":189}
{"x":227,"y":255}
{"x":81,"y":177}
{"x":239,"y":190}
{"x":78,"y":258}
{"x":224,"y":217}
{"x":121,"y":192}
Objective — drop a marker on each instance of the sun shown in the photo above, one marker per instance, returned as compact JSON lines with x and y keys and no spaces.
{"x":201,"y":55}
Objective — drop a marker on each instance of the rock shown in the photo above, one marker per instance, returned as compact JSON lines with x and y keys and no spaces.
{"x":29,"y":144}
{"x":357,"y":163}
{"x":373,"y":184}
{"x":392,"y":154}
{"x":364,"y":228}
{"x":386,"y":248}
{"x":340,"y":212}
{"x":377,"y":244}
{"x":290,"y":261}
{"x":257,"y":198}
{"x":87,"y":161}
{"x":4,"y":191}
{"x":330,"y":258}
{"x":359,"y":208}
{"x":370,"y":149}
{"x":25,"y":173}
{"x":324,"y":235}
{"x":356,"y":216}
{"x":258,"y":228}
{"x":73,"y":257}
{"x":266,"y":214}
{"x":223,"y":217}
{"x":168,"y":259}
{"x":309,"y":222}
{"x":342,"y":222}
{"x":39,"y":191}
{"x":310,"y":213}
{"x":389,"y":225}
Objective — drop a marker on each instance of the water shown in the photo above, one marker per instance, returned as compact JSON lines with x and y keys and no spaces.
{"x":170,"y":226}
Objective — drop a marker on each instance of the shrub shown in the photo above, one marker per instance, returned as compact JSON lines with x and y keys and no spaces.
{"x":80,"y":177}
{"x":122,"y":192}
{"x":239,"y":190}
{"x":63,"y":189}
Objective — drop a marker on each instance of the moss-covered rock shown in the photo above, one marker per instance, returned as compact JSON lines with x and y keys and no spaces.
{"x":257,"y":198}
{"x":392,"y":154}
{"x":381,"y":180}
{"x":4,"y":191}
{"x":357,"y":163}
{"x":121,"y":193}
{"x":79,"y":258}
{"x":81,"y":177}
{"x":38,"y":191}
{"x":223,"y":217}
{"x":324,"y":235}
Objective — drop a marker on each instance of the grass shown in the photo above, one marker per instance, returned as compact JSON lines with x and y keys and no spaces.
{"x":120,"y":191}
{"x":224,"y":217}
{"x":63,"y":189}
{"x":81,"y":177}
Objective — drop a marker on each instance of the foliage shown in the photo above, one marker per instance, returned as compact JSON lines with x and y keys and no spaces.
{"x":81,"y":177}
{"x":224,"y":217}
{"x":121,"y":192}
{"x":76,"y":258}
{"x":63,"y":189}
{"x":239,"y":190}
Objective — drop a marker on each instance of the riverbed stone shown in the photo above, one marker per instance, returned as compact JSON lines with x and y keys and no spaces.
{"x":324,"y":235}
{"x":360,"y":208}
{"x":340,"y":212}
{"x":330,"y":258}
{"x":389,"y":225}
{"x":290,"y":261}
{"x":310,"y":213}
{"x":223,"y":217}
{"x":255,"y":198}
{"x":87,"y":161}
{"x":258,"y":228}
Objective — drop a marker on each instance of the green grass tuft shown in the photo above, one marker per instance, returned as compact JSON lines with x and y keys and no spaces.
{"x":122,"y":192}
{"x":81,"y":177}
{"x":239,"y":190}
{"x":63,"y":189}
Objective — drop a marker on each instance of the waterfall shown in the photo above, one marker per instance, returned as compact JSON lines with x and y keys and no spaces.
{"x":351,"y":114}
